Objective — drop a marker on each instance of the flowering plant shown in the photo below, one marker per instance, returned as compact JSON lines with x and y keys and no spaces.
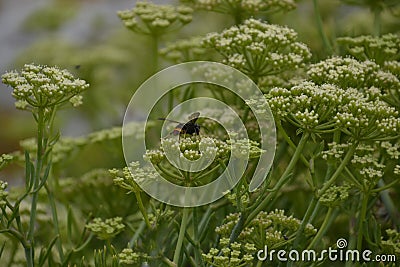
{"x":335,"y":104}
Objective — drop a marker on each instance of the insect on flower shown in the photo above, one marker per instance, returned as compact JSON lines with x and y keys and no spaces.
{"x":188,"y":128}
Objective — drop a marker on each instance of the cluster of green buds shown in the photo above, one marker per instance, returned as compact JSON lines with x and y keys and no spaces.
{"x":239,"y":198}
{"x":366,"y":162}
{"x":192,"y":147}
{"x":392,"y":244}
{"x":129,"y":257}
{"x":158,"y":217}
{"x":107,"y":229}
{"x":3,"y":194}
{"x":129,"y":176}
{"x":40,"y":86}
{"x":274,"y":229}
{"x":335,"y":195}
{"x":151,"y":19}
{"x":185,"y":50}
{"x":5,"y":159}
{"x":380,"y":49}
{"x":241,"y":9}
{"x":259,"y":49}
{"x":230,"y":254}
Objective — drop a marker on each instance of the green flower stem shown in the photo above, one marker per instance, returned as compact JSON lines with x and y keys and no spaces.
{"x":195,"y":222}
{"x":361,"y":219}
{"x":340,"y":168}
{"x":181,"y":236}
{"x":304,"y":222}
{"x":142,"y":208}
{"x":387,"y":200}
{"x":290,"y":142}
{"x":169,"y":173}
{"x":29,"y":251}
{"x":321,"y":31}
{"x":382,"y":187}
{"x":55,"y":222}
{"x":377,"y":21}
{"x":314,"y":201}
{"x":155,"y":39}
{"x":135,"y":237}
{"x":205,"y":174}
{"x":282,"y":180}
{"x":352,"y":233}
{"x":323,"y":228}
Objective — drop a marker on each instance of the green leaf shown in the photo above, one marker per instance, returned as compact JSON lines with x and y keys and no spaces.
{"x":45,"y":252}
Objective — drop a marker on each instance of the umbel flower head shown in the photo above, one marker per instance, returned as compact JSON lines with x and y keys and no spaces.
{"x":259,"y":49}
{"x":41,"y":86}
{"x":241,"y":9}
{"x":107,"y":229}
{"x":323,"y":108}
{"x":151,"y":19}
{"x":366,"y":76}
{"x":348,"y":72}
{"x":185,"y":50}
{"x":379,"y":49}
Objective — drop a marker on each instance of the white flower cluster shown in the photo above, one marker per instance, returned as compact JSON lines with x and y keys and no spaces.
{"x":245,"y":7}
{"x":335,"y":151}
{"x":351,"y":73}
{"x":152,"y":19}
{"x":39,"y":86}
{"x":379,"y":49}
{"x":259,"y":49}
{"x":393,"y":150}
{"x":326,"y":107}
{"x":132,"y":175}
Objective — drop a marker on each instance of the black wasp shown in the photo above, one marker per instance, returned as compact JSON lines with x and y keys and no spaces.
{"x":189,"y":128}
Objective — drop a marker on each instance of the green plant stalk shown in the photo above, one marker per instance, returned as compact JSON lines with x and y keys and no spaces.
{"x":377,"y":21}
{"x":290,"y":142}
{"x":322,"y":229}
{"x":155,"y":39}
{"x":135,"y":237}
{"x":361,"y":220}
{"x":303,"y":224}
{"x":388,"y":202}
{"x":282,"y":180}
{"x":195,"y":222}
{"x":29,"y":251}
{"x":181,"y":236}
{"x":142,"y":208}
{"x":339,"y":170}
{"x":55,"y":221}
{"x":314,"y":201}
{"x":321,"y":31}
